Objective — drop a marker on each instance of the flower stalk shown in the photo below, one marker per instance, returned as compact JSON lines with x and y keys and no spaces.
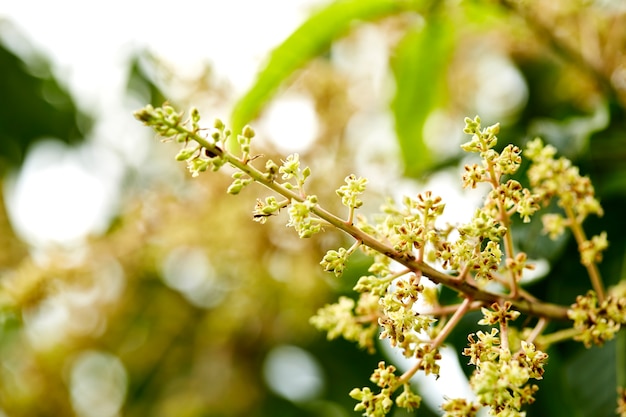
{"x":405,"y":247}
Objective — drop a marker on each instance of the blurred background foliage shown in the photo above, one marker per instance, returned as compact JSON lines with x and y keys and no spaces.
{"x":186,"y":307}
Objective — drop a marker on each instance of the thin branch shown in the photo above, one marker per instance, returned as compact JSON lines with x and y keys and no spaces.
{"x":539,"y":328}
{"x":558,"y":336}
{"x":441,"y":337}
{"x":532,"y":308}
{"x":451,"y":309}
{"x":592,"y":268}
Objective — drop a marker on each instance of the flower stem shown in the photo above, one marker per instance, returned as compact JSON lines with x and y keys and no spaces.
{"x":592,"y":268}
{"x":470,"y":291}
{"x":558,"y":336}
{"x":441,"y":337}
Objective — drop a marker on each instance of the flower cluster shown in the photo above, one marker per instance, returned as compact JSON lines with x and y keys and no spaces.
{"x":205,"y":151}
{"x":301,"y":218}
{"x":269,"y":207}
{"x":597,"y":322}
{"x":291,"y":171}
{"x":557,"y":178}
{"x":469,"y":252}
{"x":591,"y":250}
{"x":406,"y":239}
{"x":350,"y":191}
{"x":501,"y":378}
{"x":479,"y":247}
{"x":459,"y":407}
{"x":335,"y":261}
{"x":378,"y":405}
{"x":499,"y":314}
{"x":354,"y":321}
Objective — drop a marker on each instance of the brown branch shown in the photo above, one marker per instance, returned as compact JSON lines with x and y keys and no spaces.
{"x":533,"y":308}
{"x":525,"y":305}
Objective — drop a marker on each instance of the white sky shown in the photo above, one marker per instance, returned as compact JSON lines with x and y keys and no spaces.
{"x":89,"y":40}
{"x":63,"y":193}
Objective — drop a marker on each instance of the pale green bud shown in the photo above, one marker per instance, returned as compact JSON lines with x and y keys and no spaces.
{"x":195,"y":115}
{"x":248,"y":132}
{"x":185,"y":154}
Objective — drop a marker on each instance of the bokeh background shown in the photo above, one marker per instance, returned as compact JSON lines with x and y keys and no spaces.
{"x":129,"y":289}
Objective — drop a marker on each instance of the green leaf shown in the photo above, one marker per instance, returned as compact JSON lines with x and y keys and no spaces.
{"x":419,"y":67}
{"x":35,"y":105}
{"x":591,"y":377}
{"x":311,"y":39}
{"x":620,"y":359}
{"x":141,"y":83}
{"x":553,"y":398}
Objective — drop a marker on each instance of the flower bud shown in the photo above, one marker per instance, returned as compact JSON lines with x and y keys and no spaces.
{"x":248,"y":132}
{"x":185,"y":154}
{"x":218,"y":124}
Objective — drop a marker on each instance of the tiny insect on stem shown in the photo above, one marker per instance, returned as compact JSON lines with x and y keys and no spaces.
{"x":213,"y":153}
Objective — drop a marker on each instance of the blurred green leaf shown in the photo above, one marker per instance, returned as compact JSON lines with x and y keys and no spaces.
{"x":311,"y":39}
{"x":142,"y":81}
{"x":553,"y":398}
{"x":591,"y":376}
{"x":35,"y":106}
{"x":620,"y":356}
{"x":419,"y":67}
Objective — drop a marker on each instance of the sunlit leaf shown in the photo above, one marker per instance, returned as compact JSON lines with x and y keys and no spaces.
{"x":311,"y":39}
{"x":419,"y":67}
